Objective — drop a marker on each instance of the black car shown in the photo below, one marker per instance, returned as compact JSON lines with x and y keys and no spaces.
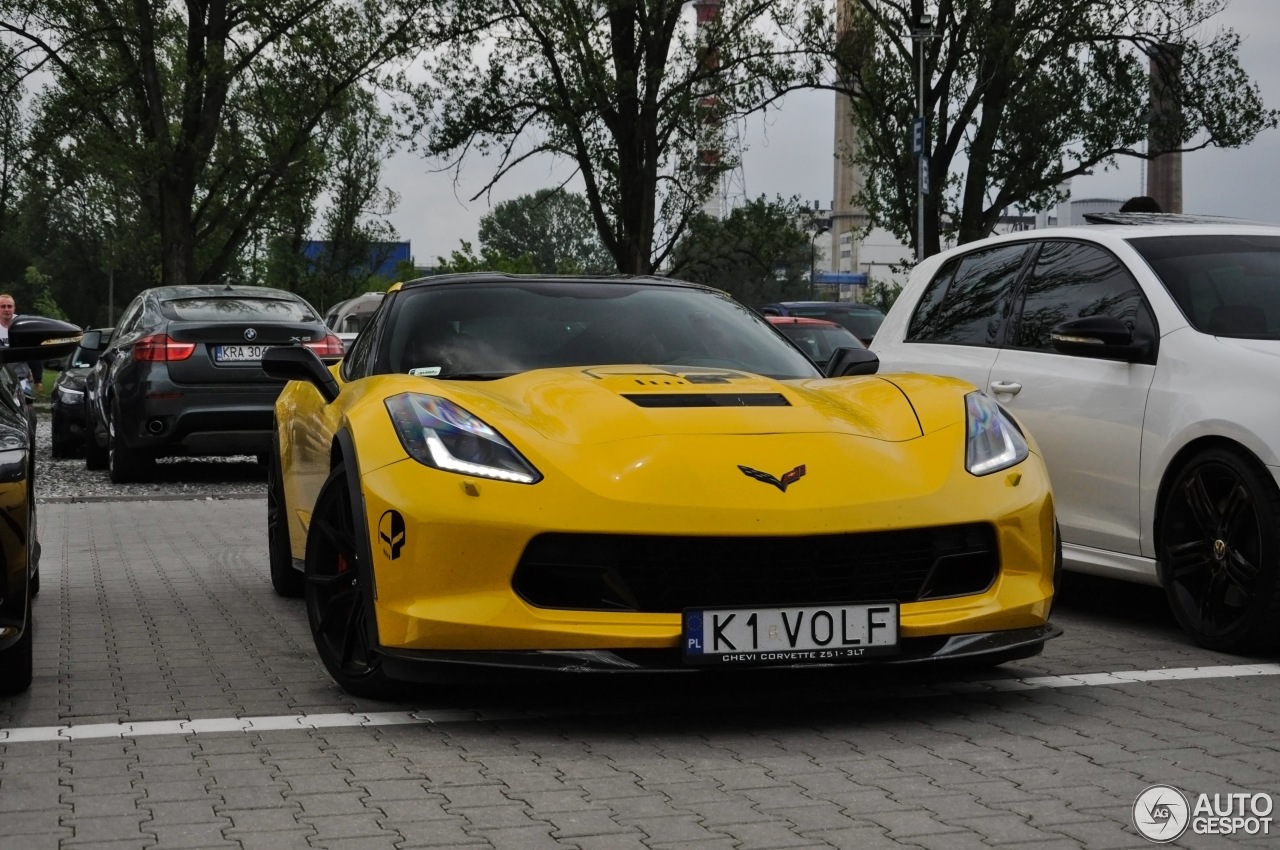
{"x":66,"y":401}
{"x":182,"y":375}
{"x":862,"y":319}
{"x":31,"y":338}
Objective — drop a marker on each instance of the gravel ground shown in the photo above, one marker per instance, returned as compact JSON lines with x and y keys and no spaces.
{"x":176,"y":478}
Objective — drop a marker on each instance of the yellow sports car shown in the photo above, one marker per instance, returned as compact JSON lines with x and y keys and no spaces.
{"x":637,"y":474}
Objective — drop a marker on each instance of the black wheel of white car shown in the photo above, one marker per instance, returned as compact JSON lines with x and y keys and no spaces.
{"x":1220,"y":552}
{"x":337,"y":594}
{"x":286,"y":580}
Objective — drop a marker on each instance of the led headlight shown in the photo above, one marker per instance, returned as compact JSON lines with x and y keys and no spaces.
{"x":69,"y":395}
{"x":440,"y":434}
{"x":992,"y":441}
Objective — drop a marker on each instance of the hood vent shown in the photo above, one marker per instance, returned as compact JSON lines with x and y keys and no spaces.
{"x":708,"y":400}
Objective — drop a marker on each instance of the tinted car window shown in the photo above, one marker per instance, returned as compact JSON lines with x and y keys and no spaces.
{"x":1072,"y":280}
{"x":236,"y":309}
{"x":504,"y":328}
{"x":359,"y":359}
{"x":1226,"y":285}
{"x":976,"y":301}
{"x":862,"y":323}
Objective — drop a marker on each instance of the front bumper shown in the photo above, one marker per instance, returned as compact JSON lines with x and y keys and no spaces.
{"x":426,"y":666}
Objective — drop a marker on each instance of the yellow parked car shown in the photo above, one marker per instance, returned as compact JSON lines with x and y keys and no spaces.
{"x":639,"y":474}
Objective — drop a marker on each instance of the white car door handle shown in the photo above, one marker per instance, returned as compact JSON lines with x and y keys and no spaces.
{"x":1010,"y":387}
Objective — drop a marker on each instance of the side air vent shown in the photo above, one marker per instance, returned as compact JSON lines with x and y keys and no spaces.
{"x":708,"y":400}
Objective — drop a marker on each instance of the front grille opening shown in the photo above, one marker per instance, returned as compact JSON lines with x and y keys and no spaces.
{"x":666,"y":574}
{"x":959,"y":575}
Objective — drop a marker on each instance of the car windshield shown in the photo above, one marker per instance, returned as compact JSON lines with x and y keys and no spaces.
{"x":1226,"y":285}
{"x":83,"y":357}
{"x":862,"y":323}
{"x":819,"y":341}
{"x":488,"y":330}
{"x":237,"y":310}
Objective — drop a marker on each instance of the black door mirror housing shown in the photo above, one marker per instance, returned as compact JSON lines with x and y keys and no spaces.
{"x":1102,"y":337}
{"x":39,"y":338}
{"x":299,"y":363}
{"x":852,"y":361}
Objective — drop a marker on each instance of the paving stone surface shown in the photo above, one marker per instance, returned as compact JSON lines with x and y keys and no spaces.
{"x":178,"y":703}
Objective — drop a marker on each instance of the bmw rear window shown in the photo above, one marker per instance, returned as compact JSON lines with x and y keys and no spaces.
{"x":237,"y":310}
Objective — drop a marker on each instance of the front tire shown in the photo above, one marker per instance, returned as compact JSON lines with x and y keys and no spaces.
{"x":338,"y":590}
{"x":284,"y":578}
{"x":1219,"y":552}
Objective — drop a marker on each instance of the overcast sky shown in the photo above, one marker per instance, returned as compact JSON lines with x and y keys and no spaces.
{"x":790,"y":152}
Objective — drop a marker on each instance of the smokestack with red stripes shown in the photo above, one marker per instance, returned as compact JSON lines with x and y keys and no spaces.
{"x":711,"y":140}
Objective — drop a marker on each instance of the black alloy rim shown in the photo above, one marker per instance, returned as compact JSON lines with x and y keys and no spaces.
{"x":1214,"y":548}
{"x":335,"y":593}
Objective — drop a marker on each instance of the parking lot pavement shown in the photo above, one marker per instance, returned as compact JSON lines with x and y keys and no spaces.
{"x":178,"y":703}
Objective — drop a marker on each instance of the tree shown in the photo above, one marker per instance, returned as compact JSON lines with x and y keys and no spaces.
{"x":1021,"y":95}
{"x":626,"y":90}
{"x":205,"y":113}
{"x":464,"y":259}
{"x":758,"y":254}
{"x":552,"y":227}
{"x":354,"y":221}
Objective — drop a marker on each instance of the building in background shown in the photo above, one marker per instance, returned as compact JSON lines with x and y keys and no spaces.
{"x":384,"y":257}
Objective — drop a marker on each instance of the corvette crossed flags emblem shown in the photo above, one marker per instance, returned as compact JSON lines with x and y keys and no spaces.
{"x":787,"y":479}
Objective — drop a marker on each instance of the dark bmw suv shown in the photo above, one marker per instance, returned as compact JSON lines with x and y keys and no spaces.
{"x":182,"y":375}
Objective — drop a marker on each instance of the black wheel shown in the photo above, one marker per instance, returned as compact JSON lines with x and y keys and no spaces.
{"x":123,"y":463}
{"x":17,"y":662}
{"x":1219,"y":554}
{"x":337,"y":591}
{"x":284,"y":578}
{"x":95,"y":456}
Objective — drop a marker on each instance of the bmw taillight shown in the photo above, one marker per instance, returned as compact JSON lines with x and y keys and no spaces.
{"x":160,"y":348}
{"x":330,"y":346}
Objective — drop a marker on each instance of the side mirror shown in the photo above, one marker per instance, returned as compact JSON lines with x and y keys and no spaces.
{"x":299,"y":363}
{"x":1101,"y":337}
{"x":852,"y":361}
{"x":93,"y":341}
{"x":39,"y":338}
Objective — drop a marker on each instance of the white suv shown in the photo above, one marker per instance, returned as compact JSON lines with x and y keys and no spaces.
{"x":1142,"y":354}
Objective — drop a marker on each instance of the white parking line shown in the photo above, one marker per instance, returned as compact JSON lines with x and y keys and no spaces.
{"x":86,"y":731}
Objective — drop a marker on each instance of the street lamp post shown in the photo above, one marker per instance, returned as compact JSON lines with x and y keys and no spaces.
{"x":921,"y":33}
{"x":823,"y":225}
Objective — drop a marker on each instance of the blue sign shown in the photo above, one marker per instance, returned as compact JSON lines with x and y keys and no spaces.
{"x":917,"y":137}
{"x":924,"y":175}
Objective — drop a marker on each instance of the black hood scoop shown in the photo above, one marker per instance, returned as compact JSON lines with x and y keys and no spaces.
{"x":708,"y":399}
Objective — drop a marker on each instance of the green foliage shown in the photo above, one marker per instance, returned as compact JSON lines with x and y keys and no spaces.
{"x":552,"y":227}
{"x":205,"y":117}
{"x":757,"y":254}
{"x":1021,"y":95}
{"x":882,"y":295}
{"x":464,"y":259}
{"x":39,"y":290}
{"x":623,"y":90}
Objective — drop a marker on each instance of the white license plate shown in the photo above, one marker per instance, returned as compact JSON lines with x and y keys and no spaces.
{"x":795,"y":635}
{"x":237,"y":353}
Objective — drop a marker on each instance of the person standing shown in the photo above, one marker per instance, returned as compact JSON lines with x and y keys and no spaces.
{"x":32,"y":371}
